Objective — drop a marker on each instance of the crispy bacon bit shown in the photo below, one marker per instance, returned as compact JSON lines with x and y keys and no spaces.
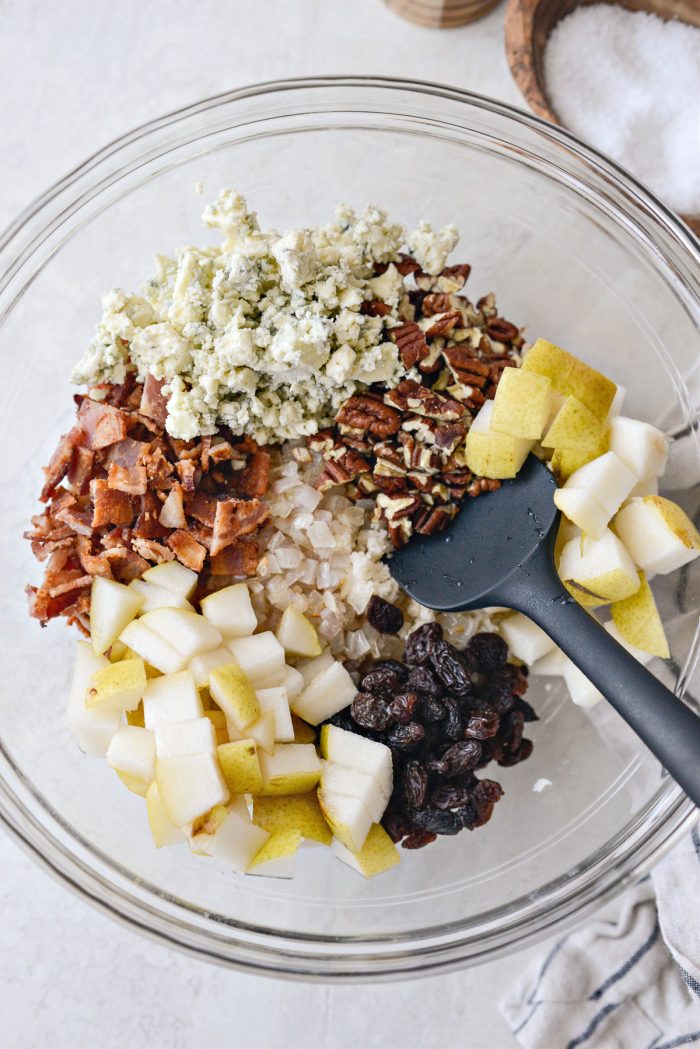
{"x":240,"y":559}
{"x":254,"y":479}
{"x":151,"y":550}
{"x":153,"y":404}
{"x":148,"y":525}
{"x":187,"y":472}
{"x":81,"y":468}
{"x":187,"y":550}
{"x":220,"y":452}
{"x":60,"y":462}
{"x":103,"y":424}
{"x":235,"y":518}
{"x":110,"y":506}
{"x":202,"y":507}
{"x":125,"y":453}
{"x":129,"y":479}
{"x":411,"y":342}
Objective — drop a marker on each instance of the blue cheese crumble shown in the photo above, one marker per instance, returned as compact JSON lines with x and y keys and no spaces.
{"x":264,"y":333}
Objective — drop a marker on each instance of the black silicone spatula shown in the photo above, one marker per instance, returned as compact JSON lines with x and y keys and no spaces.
{"x":500,"y":551}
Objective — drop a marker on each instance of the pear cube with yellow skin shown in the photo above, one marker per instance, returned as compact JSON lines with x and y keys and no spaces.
{"x":297,"y":635}
{"x":94,"y":727}
{"x":583,"y":510}
{"x":575,"y":428}
{"x":642,"y":447}
{"x":300,"y":812}
{"x":190,"y":785}
{"x":639,"y":655}
{"x":522,"y":404}
{"x":227,"y":834}
{"x":263,"y":731}
{"x":152,"y":648}
{"x":340,"y":779}
{"x":118,"y":686}
{"x":277,"y":857}
{"x":638,"y":620}
{"x":658,"y":534}
{"x":569,"y":375}
{"x":133,"y":783}
{"x":566,"y":461}
{"x":294,"y":768}
{"x":112,"y":607}
{"x":347,"y":817}
{"x":162,"y":830}
{"x":241,"y":766}
{"x":187,"y":632}
{"x":233,"y":692}
{"x":155,"y":596}
{"x":377,"y":855}
{"x":598,"y":571}
{"x":491,"y":454}
{"x":171,"y":575}
{"x":366,"y":755}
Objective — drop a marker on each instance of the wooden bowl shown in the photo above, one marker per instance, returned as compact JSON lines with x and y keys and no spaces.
{"x":528,"y":24}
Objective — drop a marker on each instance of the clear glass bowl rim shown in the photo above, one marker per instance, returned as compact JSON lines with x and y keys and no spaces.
{"x":561,"y":903}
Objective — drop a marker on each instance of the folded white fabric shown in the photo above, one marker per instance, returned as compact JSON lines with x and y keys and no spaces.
{"x":627,"y":982}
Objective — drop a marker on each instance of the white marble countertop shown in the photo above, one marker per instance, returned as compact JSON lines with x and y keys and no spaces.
{"x":73,"y":75}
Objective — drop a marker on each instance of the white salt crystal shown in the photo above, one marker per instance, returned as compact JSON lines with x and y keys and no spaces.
{"x":629,"y":83}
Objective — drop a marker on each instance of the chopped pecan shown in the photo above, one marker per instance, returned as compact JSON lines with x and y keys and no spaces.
{"x":411,"y":342}
{"x":432,"y":520}
{"x":442,"y":323}
{"x":410,"y":396}
{"x":394,"y":507}
{"x":502,"y":330}
{"x":374,"y":308}
{"x":366,"y":413}
{"x":322,"y":442}
{"x":400,"y":532}
{"x":467,"y":370}
{"x":482,"y":484}
{"x":389,"y":485}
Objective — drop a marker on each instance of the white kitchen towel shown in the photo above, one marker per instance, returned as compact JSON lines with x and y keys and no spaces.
{"x":627,"y":982}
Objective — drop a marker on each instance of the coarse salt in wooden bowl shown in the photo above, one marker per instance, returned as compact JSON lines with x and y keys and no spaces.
{"x":528,"y":24}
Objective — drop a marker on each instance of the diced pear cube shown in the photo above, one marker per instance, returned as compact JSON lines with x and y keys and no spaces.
{"x":218,"y":721}
{"x":173,"y":697}
{"x":263,"y":731}
{"x":658,"y":534}
{"x":230,"y":610}
{"x":155,"y":596}
{"x":552,"y":665}
{"x":240,"y":765}
{"x":173,"y":576}
{"x":347,"y":817}
{"x":640,"y":446}
{"x":261,"y":657}
{"x":340,"y":779}
{"x":185,"y":737}
{"x":617,"y":402}
{"x":638,"y":621}
{"x":297,"y":635}
{"x":583,"y":509}
{"x":152,"y":648}
{"x":575,"y":428}
{"x":202,"y":665}
{"x":190,"y":785}
{"x":232,"y":690}
{"x":607,"y":478}
{"x":190,"y":634}
{"x":133,"y":752}
{"x":311,"y":668}
{"x":277,"y":857}
{"x":569,"y":375}
{"x":112,"y":607}
{"x":293,"y":683}
{"x":366,"y":755}
{"x":639,"y":655}
{"x":164,"y":832}
{"x":230,"y":836}
{"x":303,"y":732}
{"x":521,"y":405}
{"x":118,"y":686}
{"x":378,"y":854}
{"x":598,"y":571}
{"x":327,"y":693}
{"x":582,"y":691}
{"x":294,"y":768}
{"x":491,"y":454}
{"x":275,"y":699}
{"x":300,"y":812}
{"x":95,"y":727}
{"x":525,"y":639}
{"x":566,"y":461}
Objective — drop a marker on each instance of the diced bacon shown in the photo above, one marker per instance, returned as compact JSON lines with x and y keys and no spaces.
{"x":103,"y":424}
{"x":78,"y":521}
{"x":62,"y":499}
{"x":240,"y":559}
{"x":126,"y":564}
{"x":187,"y":472}
{"x":125,"y":453}
{"x":235,"y":518}
{"x":187,"y":550}
{"x":150,"y":550}
{"x":158,"y":469}
{"x":201,"y":533}
{"x":254,"y":479}
{"x":110,"y":506}
{"x":148,"y":524}
{"x":202,"y":507}
{"x":204,"y":458}
{"x":172,"y":514}
{"x":220,"y":452}
{"x":59,"y":463}
{"x":153,"y":404}
{"x":129,"y":479}
{"x":80,"y":469}
{"x":93,"y":564}
{"x":70,"y":584}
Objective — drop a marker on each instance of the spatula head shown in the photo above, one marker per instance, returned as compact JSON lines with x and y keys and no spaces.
{"x":469,"y":564}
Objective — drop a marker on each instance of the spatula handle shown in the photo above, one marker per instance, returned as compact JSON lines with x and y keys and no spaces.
{"x":669,"y":728}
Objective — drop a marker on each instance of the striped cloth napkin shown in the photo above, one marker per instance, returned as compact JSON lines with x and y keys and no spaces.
{"x":631,"y":981}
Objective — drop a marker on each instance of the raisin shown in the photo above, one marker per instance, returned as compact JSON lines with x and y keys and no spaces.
{"x":386,"y":618}
{"x":431,"y":709}
{"x":450,"y":796}
{"x":343,"y":719}
{"x":421,"y":679}
{"x":482,"y":725}
{"x":450,"y":669}
{"x":383,"y":682}
{"x":418,"y":839}
{"x":515,"y":678}
{"x":396,"y":824}
{"x":415,"y":784}
{"x":402,"y":707}
{"x":498,"y":697}
{"x":453,"y":726}
{"x":420,"y":643}
{"x":436,"y":821}
{"x":370,"y":712}
{"x":526,"y":710}
{"x":462,"y":757}
{"x":406,"y":737}
{"x":489,"y":651}
{"x":400,"y":669}
{"x":511,"y":731}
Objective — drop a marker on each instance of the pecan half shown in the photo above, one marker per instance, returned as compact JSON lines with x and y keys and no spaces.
{"x":502,"y":330}
{"x":410,"y":396}
{"x":411,"y":342}
{"x":366,"y":413}
{"x":442,"y":323}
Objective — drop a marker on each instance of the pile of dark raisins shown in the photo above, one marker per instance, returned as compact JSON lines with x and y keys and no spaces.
{"x":444,"y":713}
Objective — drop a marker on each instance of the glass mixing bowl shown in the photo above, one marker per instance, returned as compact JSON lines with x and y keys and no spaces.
{"x":578,"y":252}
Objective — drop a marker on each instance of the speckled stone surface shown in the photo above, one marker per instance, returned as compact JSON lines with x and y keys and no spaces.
{"x":73,"y":75}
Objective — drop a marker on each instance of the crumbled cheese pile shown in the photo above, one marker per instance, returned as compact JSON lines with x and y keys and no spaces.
{"x":629,"y":83}
{"x":264,"y":334}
